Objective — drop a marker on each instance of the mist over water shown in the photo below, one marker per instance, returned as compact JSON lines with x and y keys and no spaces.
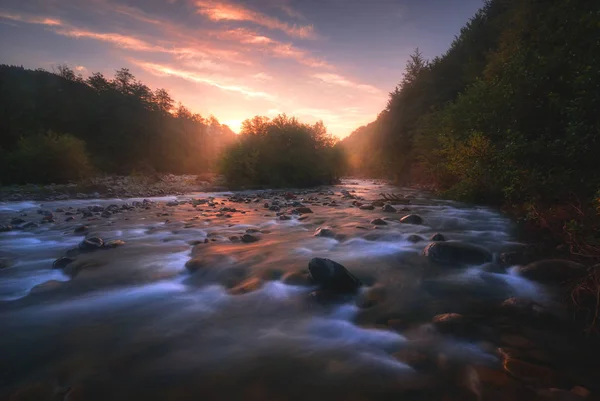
{"x":134,"y":323}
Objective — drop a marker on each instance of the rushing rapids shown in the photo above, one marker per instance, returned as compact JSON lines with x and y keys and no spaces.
{"x":209,"y":297}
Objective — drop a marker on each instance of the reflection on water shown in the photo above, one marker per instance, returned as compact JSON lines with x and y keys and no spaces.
{"x":133,"y":323}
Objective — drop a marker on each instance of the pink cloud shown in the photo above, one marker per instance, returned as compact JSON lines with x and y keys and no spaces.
{"x":223,"y":11}
{"x":335,"y":79}
{"x":165,"y":70}
{"x":49,"y":21}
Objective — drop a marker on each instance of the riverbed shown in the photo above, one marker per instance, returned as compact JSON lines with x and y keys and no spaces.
{"x":207,"y":296}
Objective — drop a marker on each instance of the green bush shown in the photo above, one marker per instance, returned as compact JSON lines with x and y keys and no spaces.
{"x":282,"y":152}
{"x":47,"y":158}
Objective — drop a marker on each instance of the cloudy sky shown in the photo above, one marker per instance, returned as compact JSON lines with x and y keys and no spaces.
{"x":330,"y":60}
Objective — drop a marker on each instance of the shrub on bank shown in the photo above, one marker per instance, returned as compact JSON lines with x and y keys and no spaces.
{"x":46,"y":158}
{"x":282,"y":152}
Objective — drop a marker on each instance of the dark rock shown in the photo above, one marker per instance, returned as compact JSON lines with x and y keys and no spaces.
{"x":552,"y":271}
{"x":324,"y":232}
{"x":372,"y":296}
{"x":493,"y":268}
{"x":16,"y":220}
{"x":252,"y":231}
{"x":266,"y":205}
{"x":172,"y":203}
{"x":274,"y":208}
{"x":91,"y":244}
{"x":415,"y":238}
{"x":531,"y":373}
{"x":411,"y":219}
{"x":332,"y":276}
{"x":106,"y":214}
{"x":81,"y":229}
{"x":379,"y":222}
{"x":115,"y":243}
{"x":248,"y":238}
{"x":70,"y":218}
{"x":96,"y":208}
{"x":457,"y":253}
{"x":452,"y":323}
{"x":297,"y":279}
{"x":284,"y":217}
{"x":62,"y":262}
{"x":367,"y":207}
{"x":303,"y":210}
{"x":31,"y":224}
{"x":437,"y":237}
{"x":378,"y":203}
{"x":4,"y":229}
{"x":388,"y":208}
{"x":195,"y":264}
{"x":234,"y":238}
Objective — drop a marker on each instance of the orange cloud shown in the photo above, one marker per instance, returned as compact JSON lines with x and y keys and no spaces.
{"x":31,"y":19}
{"x":163,"y":70}
{"x":222,"y":11}
{"x":334,"y":79}
{"x":275,"y":48}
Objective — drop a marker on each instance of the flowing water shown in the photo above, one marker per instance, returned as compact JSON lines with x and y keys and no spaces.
{"x":135,"y":324}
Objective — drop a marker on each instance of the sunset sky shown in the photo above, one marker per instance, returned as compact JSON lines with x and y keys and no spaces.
{"x":330,"y":60}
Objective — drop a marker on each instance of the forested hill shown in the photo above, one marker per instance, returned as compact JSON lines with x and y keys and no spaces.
{"x":509,"y":114}
{"x":59,"y":126}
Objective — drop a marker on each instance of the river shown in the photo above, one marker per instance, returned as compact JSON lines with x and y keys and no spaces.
{"x":133,"y":323}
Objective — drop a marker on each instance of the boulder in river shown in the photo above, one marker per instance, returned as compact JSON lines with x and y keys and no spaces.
{"x":437,"y":237}
{"x":91,"y":244}
{"x":248,"y":238}
{"x":378,"y":222}
{"x":324,"y":232}
{"x":303,"y":210}
{"x":552,"y":271}
{"x":6,"y":228}
{"x":62,"y":262}
{"x":388,"y":208}
{"x":81,"y":229}
{"x":115,"y":243}
{"x":332,"y":276}
{"x":457,"y":253}
{"x":414,"y":238}
{"x":411,"y":219}
{"x":366,"y":207}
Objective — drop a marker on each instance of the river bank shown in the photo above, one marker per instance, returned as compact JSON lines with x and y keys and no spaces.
{"x":178,"y":297}
{"x":114,"y":187}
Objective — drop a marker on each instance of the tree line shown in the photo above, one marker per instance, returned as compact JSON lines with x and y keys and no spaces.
{"x":58,"y":126}
{"x":508,"y":115}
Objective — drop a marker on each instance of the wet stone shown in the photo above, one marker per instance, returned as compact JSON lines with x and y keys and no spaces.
{"x":324,"y":232}
{"x":378,"y":222}
{"x":332,"y":276}
{"x":437,"y":237}
{"x":388,"y":208}
{"x":411,"y":219}
{"x":91,"y":244}
{"x":248,"y":238}
{"x":62,"y":262}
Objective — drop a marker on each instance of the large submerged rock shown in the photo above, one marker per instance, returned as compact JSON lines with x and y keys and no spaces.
{"x":552,"y":271}
{"x":457,"y":253}
{"x":332,"y":276}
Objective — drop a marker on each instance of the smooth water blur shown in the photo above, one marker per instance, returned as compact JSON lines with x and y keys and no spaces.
{"x":135,"y":324}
